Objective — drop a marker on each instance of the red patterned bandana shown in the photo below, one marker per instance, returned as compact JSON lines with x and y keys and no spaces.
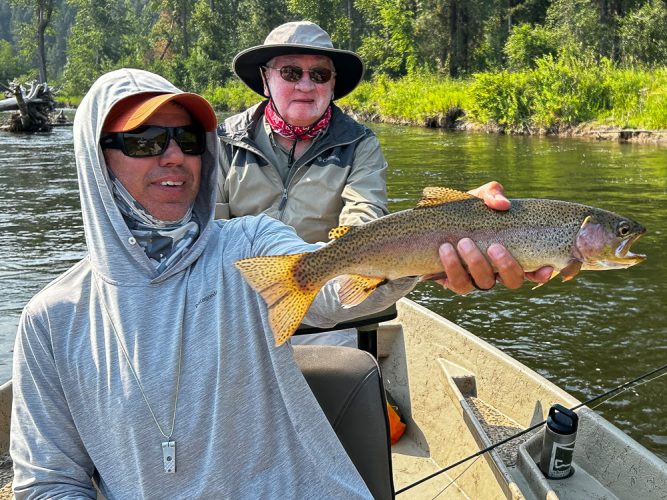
{"x":281,"y":127}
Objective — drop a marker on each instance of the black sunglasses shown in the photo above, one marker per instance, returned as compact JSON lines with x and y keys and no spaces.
{"x":293,"y":74}
{"x":153,"y":140}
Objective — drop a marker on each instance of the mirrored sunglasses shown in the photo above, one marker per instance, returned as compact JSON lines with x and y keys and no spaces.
{"x":293,"y":74}
{"x":153,"y":140}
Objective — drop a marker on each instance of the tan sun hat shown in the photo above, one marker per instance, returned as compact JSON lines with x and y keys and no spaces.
{"x":301,"y":37}
{"x":132,"y":112}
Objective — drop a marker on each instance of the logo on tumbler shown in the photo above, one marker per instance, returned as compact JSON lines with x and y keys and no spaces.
{"x":561,"y":460}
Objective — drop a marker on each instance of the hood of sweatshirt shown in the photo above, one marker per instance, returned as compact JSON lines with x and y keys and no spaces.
{"x":113,"y":252}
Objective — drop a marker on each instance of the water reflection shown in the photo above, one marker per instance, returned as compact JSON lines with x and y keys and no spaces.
{"x":587,"y":336}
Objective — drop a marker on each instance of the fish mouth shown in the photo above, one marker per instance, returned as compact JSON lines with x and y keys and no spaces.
{"x":623,"y":253}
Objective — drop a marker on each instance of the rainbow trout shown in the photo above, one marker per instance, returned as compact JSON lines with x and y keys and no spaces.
{"x":570,"y":237}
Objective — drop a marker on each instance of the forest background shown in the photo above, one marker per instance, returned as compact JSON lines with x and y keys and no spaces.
{"x":527,"y":66}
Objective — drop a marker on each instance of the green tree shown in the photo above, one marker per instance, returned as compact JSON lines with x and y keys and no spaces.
{"x":337,"y":17}
{"x":643,"y":34}
{"x":209,"y":60}
{"x":388,"y":48}
{"x":172,"y":27}
{"x":256,"y":19}
{"x":589,"y":27}
{"x":104,"y":37}
{"x":33,"y":34}
{"x":497,"y":20}
{"x":449,"y":34}
{"x":10,"y":67}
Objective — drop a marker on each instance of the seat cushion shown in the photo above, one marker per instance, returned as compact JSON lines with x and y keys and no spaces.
{"x":348,"y":385}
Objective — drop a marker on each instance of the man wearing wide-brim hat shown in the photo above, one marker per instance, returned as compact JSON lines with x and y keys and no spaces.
{"x":296,"y":156}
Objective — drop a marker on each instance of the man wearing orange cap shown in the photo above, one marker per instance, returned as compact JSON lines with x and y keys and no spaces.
{"x":148,"y":369}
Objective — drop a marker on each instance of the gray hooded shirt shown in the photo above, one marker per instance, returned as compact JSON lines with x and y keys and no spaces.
{"x":246,"y":424}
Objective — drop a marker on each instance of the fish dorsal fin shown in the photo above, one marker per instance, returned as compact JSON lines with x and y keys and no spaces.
{"x":354,"y":288}
{"x":339,"y":231}
{"x":433,"y":196}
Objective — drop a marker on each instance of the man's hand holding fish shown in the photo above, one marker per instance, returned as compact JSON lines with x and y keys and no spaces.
{"x":478,"y":271}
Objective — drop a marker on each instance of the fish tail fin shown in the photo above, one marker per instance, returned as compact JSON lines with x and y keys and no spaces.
{"x":274,"y":278}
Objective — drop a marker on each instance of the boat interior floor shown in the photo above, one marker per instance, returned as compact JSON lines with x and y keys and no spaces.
{"x":460,"y":395}
{"x":6,"y":476}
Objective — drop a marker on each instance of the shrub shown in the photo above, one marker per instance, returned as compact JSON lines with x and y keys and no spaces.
{"x":527,"y":44}
{"x":500,"y":98}
{"x":233,"y":96}
{"x":567,"y":91}
{"x":420,"y":98}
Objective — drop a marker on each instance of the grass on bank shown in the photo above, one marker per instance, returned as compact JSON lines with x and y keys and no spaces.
{"x":558,"y":95}
{"x":555,"y":96}
{"x":418,"y":99}
{"x":69,"y":101}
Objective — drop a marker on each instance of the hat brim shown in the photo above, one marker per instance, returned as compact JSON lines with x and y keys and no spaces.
{"x":132,"y":112}
{"x":349,"y":66}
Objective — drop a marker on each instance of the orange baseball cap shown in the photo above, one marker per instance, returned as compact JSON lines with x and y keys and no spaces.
{"x":132,"y":112}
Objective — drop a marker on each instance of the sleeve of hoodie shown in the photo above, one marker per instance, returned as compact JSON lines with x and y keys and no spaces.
{"x":365,"y":194}
{"x":275,"y":238}
{"x":50,"y":460}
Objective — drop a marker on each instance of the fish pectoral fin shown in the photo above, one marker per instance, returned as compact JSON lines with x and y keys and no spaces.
{"x":337,"y":232}
{"x":354,"y":288}
{"x":571,"y":270}
{"x":433,"y":196}
{"x":554,"y":273}
{"x":567,"y":273}
{"x":273,"y":277}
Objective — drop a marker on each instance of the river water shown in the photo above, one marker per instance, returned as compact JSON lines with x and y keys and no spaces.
{"x":587,"y":335}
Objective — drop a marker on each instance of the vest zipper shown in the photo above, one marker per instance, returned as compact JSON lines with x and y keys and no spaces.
{"x":283,"y":202}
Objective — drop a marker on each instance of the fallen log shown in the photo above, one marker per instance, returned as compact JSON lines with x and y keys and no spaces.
{"x":34,"y":106}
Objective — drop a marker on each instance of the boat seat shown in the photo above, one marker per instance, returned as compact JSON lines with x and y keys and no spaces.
{"x":366,"y":327}
{"x":348,"y":385}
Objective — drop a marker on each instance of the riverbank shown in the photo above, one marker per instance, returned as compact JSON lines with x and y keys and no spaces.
{"x":456,"y":120}
{"x":565,"y":97}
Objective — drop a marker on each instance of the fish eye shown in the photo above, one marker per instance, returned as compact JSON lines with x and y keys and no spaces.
{"x":623,"y":228}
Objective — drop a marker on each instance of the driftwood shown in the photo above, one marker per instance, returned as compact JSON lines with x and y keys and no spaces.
{"x":34,"y":106}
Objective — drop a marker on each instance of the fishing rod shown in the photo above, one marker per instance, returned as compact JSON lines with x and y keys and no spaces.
{"x":532,"y":428}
